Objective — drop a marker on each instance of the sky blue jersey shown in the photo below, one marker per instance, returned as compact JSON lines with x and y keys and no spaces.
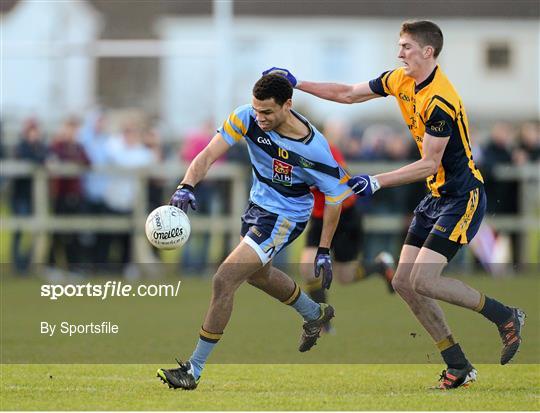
{"x":285,"y":168}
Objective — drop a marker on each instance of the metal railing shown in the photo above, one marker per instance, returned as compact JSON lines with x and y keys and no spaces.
{"x":42,"y":222}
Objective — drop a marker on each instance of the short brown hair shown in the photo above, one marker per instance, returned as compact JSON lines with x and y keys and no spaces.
{"x":426,"y":33}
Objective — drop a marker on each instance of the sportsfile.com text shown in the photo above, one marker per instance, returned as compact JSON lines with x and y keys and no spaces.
{"x":109,"y":289}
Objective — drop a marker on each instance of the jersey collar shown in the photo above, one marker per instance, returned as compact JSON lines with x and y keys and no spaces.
{"x":418,"y":88}
{"x":306,"y":139}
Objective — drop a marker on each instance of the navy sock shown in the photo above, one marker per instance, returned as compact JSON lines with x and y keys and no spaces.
{"x":454,"y":357}
{"x":494,"y":311}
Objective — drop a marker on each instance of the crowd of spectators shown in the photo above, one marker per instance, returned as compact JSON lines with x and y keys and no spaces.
{"x":89,"y":144}
{"x":138,"y":144}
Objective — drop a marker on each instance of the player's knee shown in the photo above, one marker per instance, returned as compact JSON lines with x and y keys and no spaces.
{"x":421,"y":285}
{"x":401,"y":282}
{"x":221,"y":285}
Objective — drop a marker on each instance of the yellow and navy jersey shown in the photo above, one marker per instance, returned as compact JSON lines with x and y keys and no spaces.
{"x":284,"y":168}
{"x":434,"y":107}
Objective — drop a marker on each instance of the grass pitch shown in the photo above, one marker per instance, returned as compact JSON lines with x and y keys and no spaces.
{"x":266,"y":387}
{"x":375,"y":332}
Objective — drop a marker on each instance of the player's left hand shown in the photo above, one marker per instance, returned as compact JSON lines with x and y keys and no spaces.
{"x":184,"y":198}
{"x":323,"y":263}
{"x":364,"y":185}
{"x":282,"y":72}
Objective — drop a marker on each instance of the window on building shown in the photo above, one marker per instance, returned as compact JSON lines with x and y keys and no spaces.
{"x":498,"y":56}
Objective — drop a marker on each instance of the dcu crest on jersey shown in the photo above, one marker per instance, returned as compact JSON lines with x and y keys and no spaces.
{"x":281,"y":172}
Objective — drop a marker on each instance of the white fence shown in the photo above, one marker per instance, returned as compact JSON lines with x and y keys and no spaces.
{"x":42,"y":223}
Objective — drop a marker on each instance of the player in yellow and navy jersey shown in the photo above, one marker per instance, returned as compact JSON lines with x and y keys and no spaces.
{"x":288,"y":155}
{"x":450,"y":215}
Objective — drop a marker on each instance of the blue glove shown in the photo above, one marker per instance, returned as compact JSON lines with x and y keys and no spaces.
{"x":184,"y":198}
{"x":323,"y":263}
{"x":282,"y":72}
{"x":364,"y":185}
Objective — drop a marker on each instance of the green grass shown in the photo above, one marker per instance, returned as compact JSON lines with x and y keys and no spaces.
{"x":380,"y":358}
{"x":266,"y":387}
{"x":372,"y":326}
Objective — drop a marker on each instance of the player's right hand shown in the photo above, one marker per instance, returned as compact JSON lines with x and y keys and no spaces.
{"x":184,"y":198}
{"x":323,"y":264}
{"x":282,"y":72}
{"x":364,"y":185}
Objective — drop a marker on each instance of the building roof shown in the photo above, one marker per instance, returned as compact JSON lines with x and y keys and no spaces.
{"x":527,"y":9}
{"x":392,"y":8}
{"x":137,"y":19}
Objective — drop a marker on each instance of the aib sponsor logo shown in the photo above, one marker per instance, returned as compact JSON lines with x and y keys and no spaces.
{"x":281,"y":172}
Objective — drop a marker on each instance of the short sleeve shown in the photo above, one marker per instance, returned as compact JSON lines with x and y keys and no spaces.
{"x":236,"y":125}
{"x":333,"y":185}
{"x":339,"y":192}
{"x":440,"y":120}
{"x":384,"y":84}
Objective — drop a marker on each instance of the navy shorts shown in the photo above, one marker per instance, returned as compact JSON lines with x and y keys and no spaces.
{"x":268,"y":233}
{"x":455,"y":219}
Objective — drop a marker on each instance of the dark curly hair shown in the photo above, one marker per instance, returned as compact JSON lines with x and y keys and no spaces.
{"x":273,"y":86}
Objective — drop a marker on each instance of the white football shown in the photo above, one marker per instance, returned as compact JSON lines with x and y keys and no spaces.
{"x":167,"y":227}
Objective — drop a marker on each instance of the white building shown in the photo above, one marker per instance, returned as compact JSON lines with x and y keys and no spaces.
{"x":350,"y":50}
{"x":175,"y":60}
{"x":47,"y":69}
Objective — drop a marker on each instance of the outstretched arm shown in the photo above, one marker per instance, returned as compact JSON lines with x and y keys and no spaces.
{"x":433,"y":150}
{"x":338,"y":92}
{"x":184,"y":197}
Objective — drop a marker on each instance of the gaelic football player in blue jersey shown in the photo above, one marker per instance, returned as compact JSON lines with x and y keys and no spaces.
{"x":450,"y":215}
{"x":288,"y":155}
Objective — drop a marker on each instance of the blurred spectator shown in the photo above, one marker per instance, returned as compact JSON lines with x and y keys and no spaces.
{"x":374,"y":142}
{"x":66,"y":192}
{"x":152,"y":141}
{"x":352,"y":145}
{"x":528,"y":143}
{"x":94,"y":138}
{"x":502,"y":195}
{"x":337,"y":131}
{"x":32,"y":148}
{"x":125,"y":151}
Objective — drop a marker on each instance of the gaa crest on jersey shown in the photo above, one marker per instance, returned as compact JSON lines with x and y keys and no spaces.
{"x":281,"y":172}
